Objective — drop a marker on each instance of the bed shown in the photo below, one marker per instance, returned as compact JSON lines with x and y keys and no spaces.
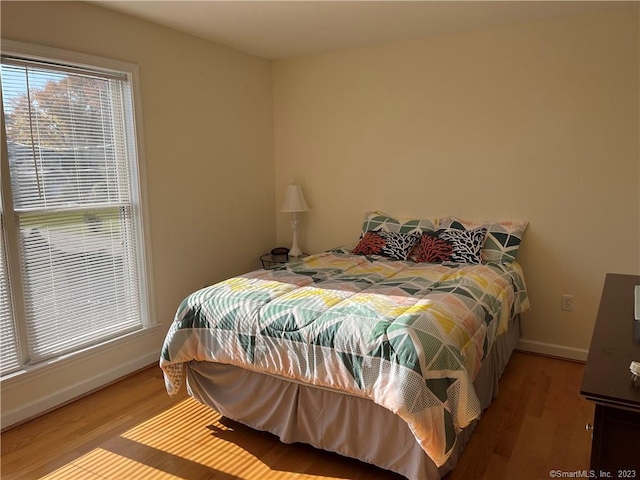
{"x":389,"y":361}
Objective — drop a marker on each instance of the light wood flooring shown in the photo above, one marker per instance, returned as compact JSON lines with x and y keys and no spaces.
{"x":133,"y":430}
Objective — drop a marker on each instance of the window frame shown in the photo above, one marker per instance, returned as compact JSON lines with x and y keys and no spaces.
{"x":139,"y":203}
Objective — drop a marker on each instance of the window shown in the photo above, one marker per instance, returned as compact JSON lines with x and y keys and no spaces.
{"x":74,"y":197}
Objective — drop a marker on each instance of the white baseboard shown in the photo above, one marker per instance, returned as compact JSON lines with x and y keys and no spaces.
{"x":60,"y":397}
{"x":40,"y":388}
{"x":553,"y":350}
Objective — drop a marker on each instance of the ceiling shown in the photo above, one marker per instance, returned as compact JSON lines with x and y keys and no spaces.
{"x":279,"y":29}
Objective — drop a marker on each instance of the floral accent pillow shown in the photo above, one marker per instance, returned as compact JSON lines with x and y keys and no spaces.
{"x":502,"y":241}
{"x":388,"y":244}
{"x":433,"y":249}
{"x":451,"y":245}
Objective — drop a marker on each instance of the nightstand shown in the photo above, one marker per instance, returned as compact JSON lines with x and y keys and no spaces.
{"x":271,"y":260}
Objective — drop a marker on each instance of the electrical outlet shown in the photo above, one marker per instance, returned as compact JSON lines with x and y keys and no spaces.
{"x":567,"y":303}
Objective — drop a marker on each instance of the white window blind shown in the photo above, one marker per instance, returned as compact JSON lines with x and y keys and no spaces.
{"x":71,"y":155}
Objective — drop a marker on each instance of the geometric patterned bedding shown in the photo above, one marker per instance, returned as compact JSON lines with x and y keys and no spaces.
{"x":408,"y":336}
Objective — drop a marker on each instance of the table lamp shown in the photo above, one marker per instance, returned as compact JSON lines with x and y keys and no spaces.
{"x":293,"y":203}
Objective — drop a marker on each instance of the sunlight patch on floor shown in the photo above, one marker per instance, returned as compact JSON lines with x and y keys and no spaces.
{"x":186,"y":441}
{"x":72,"y":472}
{"x":105,"y":464}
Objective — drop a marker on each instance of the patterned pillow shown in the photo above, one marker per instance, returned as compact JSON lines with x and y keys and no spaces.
{"x":378,"y":221}
{"x":503,"y":238}
{"x":451,"y":245}
{"x":433,"y":249}
{"x":388,"y":244}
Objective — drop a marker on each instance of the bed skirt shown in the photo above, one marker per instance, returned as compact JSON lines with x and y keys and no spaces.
{"x":351,"y":426}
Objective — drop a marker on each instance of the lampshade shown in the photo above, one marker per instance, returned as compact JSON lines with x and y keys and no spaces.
{"x":294,"y":200}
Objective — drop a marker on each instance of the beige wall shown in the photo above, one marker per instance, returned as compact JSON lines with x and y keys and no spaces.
{"x":207,"y":113}
{"x":537,"y":121}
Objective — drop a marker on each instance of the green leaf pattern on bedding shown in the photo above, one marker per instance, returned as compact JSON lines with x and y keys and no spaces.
{"x":408,"y":336}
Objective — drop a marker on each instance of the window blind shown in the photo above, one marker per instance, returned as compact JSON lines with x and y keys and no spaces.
{"x":70,"y":161}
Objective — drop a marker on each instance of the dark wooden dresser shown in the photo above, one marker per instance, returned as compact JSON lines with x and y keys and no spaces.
{"x":615,"y":447}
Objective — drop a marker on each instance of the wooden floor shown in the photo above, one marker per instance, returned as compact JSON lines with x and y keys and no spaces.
{"x":133,"y":430}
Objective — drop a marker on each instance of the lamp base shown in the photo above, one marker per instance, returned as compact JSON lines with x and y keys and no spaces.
{"x":295,"y":249}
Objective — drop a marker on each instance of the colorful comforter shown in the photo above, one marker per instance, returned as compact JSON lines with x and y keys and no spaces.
{"x":408,"y":336}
